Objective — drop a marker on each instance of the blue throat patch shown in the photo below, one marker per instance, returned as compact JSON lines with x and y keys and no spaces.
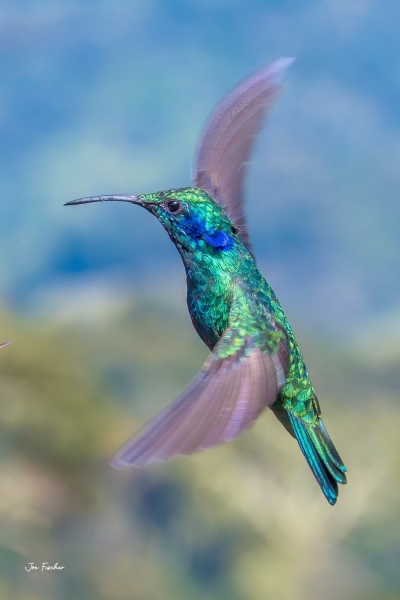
{"x":194,"y":227}
{"x":218,"y":239}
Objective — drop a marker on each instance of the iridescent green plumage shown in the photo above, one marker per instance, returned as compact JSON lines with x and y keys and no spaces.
{"x":255,"y":360}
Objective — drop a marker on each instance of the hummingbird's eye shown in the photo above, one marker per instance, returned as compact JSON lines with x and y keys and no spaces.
{"x":174,"y":206}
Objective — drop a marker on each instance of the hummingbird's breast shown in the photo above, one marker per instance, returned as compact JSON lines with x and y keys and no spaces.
{"x":208,"y":301}
{"x":212,"y":278}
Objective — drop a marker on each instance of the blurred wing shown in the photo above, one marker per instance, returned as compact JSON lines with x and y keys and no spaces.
{"x":227,"y":140}
{"x":223,"y":400}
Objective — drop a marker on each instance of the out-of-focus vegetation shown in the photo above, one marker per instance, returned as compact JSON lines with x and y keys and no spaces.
{"x":244,"y":520}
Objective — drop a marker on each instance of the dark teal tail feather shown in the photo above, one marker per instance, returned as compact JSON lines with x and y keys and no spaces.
{"x":327,"y":451}
{"x":321,"y":455}
{"x":330,"y":448}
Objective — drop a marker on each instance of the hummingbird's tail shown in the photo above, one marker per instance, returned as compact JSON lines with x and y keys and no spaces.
{"x":321,"y":455}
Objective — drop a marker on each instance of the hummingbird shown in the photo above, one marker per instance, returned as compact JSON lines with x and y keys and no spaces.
{"x":255,"y":361}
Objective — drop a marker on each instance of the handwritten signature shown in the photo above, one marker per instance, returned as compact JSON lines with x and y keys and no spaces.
{"x":45,"y":567}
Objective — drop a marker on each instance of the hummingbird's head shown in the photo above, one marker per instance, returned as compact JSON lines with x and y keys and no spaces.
{"x":191,"y":216}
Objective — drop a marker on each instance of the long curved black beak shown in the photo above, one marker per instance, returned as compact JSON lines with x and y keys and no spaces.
{"x":131,"y":199}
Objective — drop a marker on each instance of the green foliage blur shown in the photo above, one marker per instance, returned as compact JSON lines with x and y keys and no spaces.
{"x":244,"y":520}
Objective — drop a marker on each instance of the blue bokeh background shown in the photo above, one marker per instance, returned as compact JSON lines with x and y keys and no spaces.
{"x":110,"y":97}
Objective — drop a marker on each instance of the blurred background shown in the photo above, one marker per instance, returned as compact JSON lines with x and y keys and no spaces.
{"x":109,"y":97}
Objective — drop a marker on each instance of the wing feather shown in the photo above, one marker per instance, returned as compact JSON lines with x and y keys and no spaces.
{"x":221,"y":402}
{"x":227,"y":139}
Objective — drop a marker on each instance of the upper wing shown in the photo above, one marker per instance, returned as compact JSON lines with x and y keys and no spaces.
{"x":227,"y":139}
{"x":235,"y":384}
